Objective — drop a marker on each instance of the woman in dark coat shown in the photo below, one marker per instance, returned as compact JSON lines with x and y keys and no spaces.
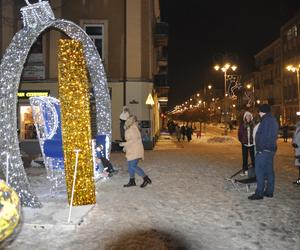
{"x":183,"y":132}
{"x":189,"y":132}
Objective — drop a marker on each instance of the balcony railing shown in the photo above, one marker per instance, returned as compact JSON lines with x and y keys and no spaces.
{"x":161,"y":80}
{"x":268,"y":82}
{"x":161,"y":28}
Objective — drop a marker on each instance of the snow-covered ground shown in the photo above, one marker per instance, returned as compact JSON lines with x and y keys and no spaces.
{"x":188,"y":205}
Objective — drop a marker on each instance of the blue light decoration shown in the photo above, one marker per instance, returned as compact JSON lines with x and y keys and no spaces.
{"x":47,"y":119}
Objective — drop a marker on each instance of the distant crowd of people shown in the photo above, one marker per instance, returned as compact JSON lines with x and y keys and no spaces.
{"x":181,"y":132}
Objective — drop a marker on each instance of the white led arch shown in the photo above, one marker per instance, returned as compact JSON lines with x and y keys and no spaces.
{"x":37,"y":18}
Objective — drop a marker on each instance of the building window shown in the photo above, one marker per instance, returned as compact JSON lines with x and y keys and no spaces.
{"x":96,"y":33}
{"x":34,"y":68}
{"x":292,"y":32}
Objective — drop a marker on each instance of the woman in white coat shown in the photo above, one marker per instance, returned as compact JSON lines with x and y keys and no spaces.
{"x":134,"y":150}
{"x":296,"y":145}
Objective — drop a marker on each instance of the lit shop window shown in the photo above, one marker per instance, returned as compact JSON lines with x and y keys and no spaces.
{"x":27,"y":128}
{"x":292,"y":32}
{"x":96,"y":33}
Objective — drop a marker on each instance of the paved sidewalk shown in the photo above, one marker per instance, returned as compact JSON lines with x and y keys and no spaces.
{"x":188,"y":206}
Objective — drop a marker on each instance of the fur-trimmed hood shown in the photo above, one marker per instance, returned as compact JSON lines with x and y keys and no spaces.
{"x":130,"y":121}
{"x":247,"y":113}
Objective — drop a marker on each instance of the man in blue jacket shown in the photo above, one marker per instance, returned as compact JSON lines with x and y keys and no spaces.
{"x":265,"y":141}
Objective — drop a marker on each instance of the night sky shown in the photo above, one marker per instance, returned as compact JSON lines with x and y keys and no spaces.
{"x":202,"y":33}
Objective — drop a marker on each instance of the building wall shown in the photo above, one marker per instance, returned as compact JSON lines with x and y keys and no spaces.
{"x":140,"y":19}
{"x":8,"y":24}
{"x":291,"y":55}
{"x":112,"y":14}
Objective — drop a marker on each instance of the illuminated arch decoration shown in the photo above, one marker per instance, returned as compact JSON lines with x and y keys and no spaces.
{"x":37,"y":18}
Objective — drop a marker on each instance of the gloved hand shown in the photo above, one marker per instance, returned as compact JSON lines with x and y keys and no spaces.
{"x":295,"y":145}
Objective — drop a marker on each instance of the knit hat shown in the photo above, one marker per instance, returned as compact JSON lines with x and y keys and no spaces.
{"x":265,"y":108}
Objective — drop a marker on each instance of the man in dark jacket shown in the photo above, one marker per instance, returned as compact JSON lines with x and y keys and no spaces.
{"x":265,"y":141}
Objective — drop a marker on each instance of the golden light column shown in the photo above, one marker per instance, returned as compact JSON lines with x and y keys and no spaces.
{"x":76,"y":125}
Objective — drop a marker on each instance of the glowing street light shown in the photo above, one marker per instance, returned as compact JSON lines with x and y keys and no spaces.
{"x":249,"y":86}
{"x":225,"y":68}
{"x":150,"y":102}
{"x":296,"y":69}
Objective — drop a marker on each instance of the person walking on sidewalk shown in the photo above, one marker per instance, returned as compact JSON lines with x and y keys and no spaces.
{"x":189,"y":132}
{"x":178,"y":133}
{"x":266,"y":146}
{"x":285,"y":132}
{"x":134,"y":150}
{"x":296,"y":145}
{"x":183,"y":132}
{"x":245,"y":135}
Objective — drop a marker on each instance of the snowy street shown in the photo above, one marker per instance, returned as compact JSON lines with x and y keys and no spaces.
{"x":188,"y":206}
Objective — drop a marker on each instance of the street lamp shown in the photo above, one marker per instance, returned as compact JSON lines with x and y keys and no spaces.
{"x":150,"y":103}
{"x":249,"y":86}
{"x":296,"y":69}
{"x":224,"y":69}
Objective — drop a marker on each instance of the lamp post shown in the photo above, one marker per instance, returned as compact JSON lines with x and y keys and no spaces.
{"x":296,"y":69}
{"x":150,"y":103}
{"x":249,"y":86}
{"x":224,"y":69}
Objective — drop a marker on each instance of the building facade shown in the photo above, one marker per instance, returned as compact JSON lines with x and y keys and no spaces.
{"x":267,"y":81}
{"x":126,"y":37}
{"x":290,"y":49}
{"x":274,"y":83}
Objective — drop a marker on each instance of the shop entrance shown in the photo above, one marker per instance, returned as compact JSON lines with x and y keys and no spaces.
{"x":27,"y":129}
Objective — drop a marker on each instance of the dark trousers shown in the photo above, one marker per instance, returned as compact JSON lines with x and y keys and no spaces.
{"x":122,"y":130}
{"x":245,"y":151}
{"x":264,"y":171}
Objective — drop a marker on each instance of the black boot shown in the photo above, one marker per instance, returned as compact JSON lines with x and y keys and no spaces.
{"x":130,"y":183}
{"x":146,"y":181}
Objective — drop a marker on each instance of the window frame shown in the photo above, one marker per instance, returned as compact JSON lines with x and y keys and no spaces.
{"x":104,"y":37}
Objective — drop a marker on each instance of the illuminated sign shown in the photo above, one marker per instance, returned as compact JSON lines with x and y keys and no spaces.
{"x":30,"y":93}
